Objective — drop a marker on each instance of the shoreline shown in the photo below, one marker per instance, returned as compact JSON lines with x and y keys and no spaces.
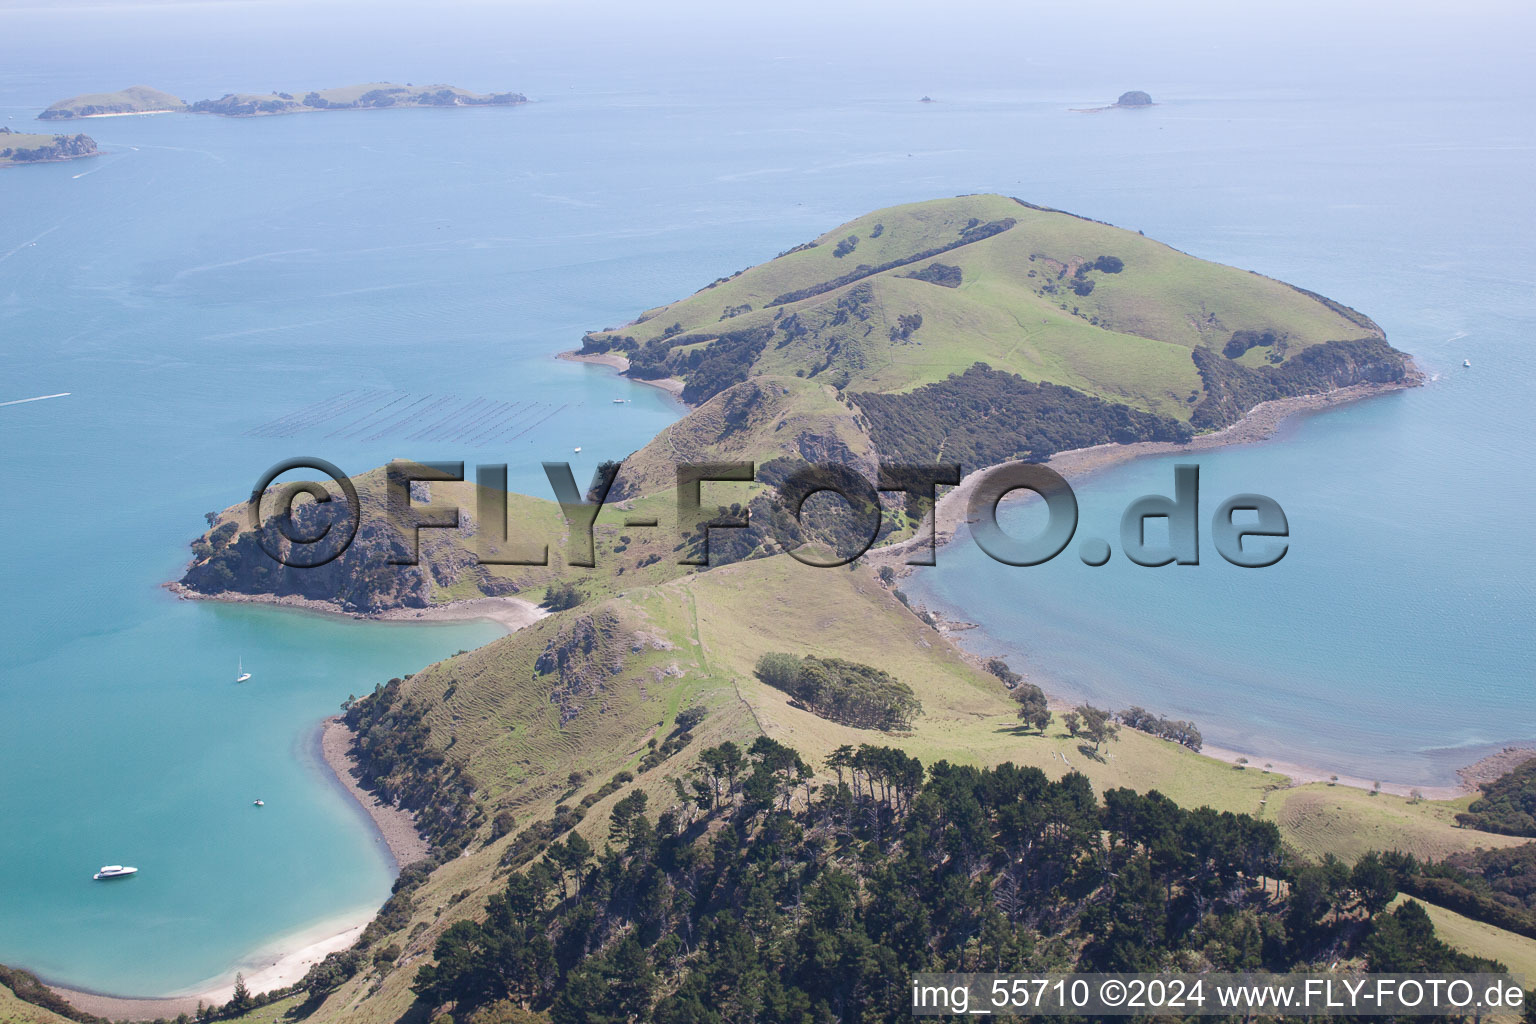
{"x":393,"y":826}
{"x":279,"y":967}
{"x":263,"y":972}
{"x":1260,"y":424}
{"x":115,"y":113}
{"x":510,"y":613}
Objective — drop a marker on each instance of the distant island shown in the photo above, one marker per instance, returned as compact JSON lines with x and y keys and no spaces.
{"x":1135,"y":99}
{"x":140,"y":99}
{"x":25,"y":148}
{"x":136,"y":99}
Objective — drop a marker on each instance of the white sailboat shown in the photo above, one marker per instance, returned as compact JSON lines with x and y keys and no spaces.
{"x":241,"y":675}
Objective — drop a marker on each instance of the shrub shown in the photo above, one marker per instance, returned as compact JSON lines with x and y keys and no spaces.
{"x":560,"y":596}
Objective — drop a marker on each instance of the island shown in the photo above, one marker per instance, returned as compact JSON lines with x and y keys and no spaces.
{"x":136,"y":99}
{"x":29,"y":148}
{"x":370,"y":96}
{"x":1135,"y":99}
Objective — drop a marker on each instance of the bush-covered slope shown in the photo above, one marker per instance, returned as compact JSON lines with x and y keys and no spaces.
{"x":1508,"y":804}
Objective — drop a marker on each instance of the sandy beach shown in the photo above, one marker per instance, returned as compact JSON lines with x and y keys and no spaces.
{"x":264,"y":972}
{"x":613,"y":360}
{"x":396,"y":828}
{"x":288,"y":960}
{"x":511,"y":613}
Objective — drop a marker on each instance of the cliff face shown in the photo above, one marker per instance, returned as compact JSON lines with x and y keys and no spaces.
{"x":360,"y":581}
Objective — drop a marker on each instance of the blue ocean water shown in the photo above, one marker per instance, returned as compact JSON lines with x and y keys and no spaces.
{"x":205,"y":277}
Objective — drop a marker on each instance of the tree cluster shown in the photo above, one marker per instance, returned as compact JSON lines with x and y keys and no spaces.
{"x":560,"y":596}
{"x":1508,"y":804}
{"x":985,"y":416}
{"x":942,"y":274}
{"x":1142,"y":720}
{"x":973,"y":232}
{"x":397,"y":760}
{"x":764,"y":898}
{"x":847,"y":692}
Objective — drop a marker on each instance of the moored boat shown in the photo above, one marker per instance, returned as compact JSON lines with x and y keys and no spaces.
{"x":113,"y":871}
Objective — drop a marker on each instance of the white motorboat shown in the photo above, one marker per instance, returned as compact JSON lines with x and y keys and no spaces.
{"x":113,"y":871}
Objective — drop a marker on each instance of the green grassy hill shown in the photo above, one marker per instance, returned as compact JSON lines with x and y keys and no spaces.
{"x":597,"y":691}
{"x":912,"y":294}
{"x":951,"y":329}
{"x":136,"y":99}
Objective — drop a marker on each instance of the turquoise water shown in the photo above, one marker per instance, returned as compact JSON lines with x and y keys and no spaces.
{"x":206,"y":277}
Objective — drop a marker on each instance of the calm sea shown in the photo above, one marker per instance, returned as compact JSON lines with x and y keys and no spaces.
{"x":205,"y":278}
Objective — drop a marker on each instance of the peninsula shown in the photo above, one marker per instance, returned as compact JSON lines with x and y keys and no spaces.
{"x":141,"y":99}
{"x":27,"y":148}
{"x":885,"y":339}
{"x":806,"y":743}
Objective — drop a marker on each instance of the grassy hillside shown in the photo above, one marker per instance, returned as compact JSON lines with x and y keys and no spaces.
{"x":136,"y":99}
{"x":17,"y":1011}
{"x":596,"y":689}
{"x":1320,"y":819}
{"x":912,"y":294}
{"x":1516,"y":952}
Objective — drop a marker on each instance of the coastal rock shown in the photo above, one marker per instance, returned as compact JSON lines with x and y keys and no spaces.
{"x":1134,"y":98}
